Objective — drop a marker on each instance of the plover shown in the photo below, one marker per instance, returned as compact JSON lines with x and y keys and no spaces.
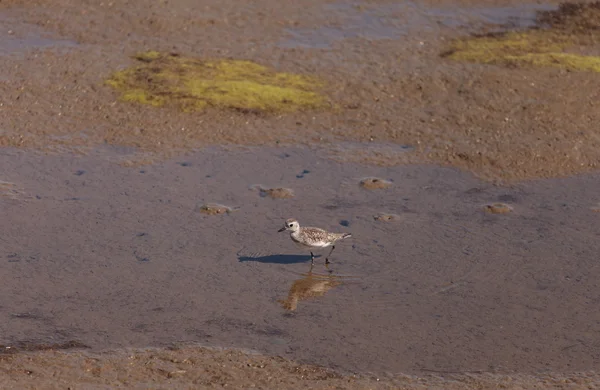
{"x":312,"y":237}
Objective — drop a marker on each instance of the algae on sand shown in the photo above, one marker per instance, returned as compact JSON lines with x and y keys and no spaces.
{"x":194,"y":84}
{"x":537,"y":47}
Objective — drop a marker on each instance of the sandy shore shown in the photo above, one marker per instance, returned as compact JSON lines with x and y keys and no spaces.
{"x":194,"y":367}
{"x":127,"y":226}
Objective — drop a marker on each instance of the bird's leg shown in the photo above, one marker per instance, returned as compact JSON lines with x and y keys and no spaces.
{"x":312,"y":259}
{"x":330,"y":252}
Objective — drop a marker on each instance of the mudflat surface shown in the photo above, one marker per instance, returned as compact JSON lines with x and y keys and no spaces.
{"x":121,"y":257}
{"x":130,"y":226}
{"x":381,"y":61}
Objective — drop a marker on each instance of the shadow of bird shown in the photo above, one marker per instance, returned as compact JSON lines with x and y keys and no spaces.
{"x":277,"y":259}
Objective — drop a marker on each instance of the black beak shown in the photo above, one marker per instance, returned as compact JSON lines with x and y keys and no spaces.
{"x":280,"y":230}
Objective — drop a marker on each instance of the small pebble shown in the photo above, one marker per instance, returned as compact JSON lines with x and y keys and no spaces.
{"x":375,"y":183}
{"x":275,"y":193}
{"x":383,"y":217}
{"x":215,"y":209}
{"x":498,"y":208}
{"x":301,"y":174}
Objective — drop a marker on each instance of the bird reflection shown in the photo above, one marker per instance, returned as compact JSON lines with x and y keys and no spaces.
{"x":311,"y":285}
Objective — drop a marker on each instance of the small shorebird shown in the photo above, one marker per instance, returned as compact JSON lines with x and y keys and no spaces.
{"x":312,"y":237}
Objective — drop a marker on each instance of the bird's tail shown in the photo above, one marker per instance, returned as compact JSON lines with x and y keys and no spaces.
{"x":346,"y":235}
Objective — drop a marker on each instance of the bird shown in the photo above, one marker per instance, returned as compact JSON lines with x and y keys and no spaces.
{"x":312,"y":237}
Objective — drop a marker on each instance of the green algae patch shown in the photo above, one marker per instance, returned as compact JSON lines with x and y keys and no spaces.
{"x":567,"y":28}
{"x":194,"y":84}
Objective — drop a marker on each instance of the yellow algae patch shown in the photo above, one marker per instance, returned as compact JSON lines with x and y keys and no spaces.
{"x":539,"y":48}
{"x":569,"y":27}
{"x":194,"y":84}
{"x":495,"y":48}
{"x":563,"y":60}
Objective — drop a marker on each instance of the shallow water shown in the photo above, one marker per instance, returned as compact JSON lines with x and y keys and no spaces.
{"x":16,"y":37}
{"x":110,"y":256}
{"x":399,"y":19}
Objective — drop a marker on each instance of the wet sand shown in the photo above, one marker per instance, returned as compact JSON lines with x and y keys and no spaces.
{"x":114,"y":257}
{"x":187,"y":366}
{"x":382,"y":65}
{"x":127,"y":226}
